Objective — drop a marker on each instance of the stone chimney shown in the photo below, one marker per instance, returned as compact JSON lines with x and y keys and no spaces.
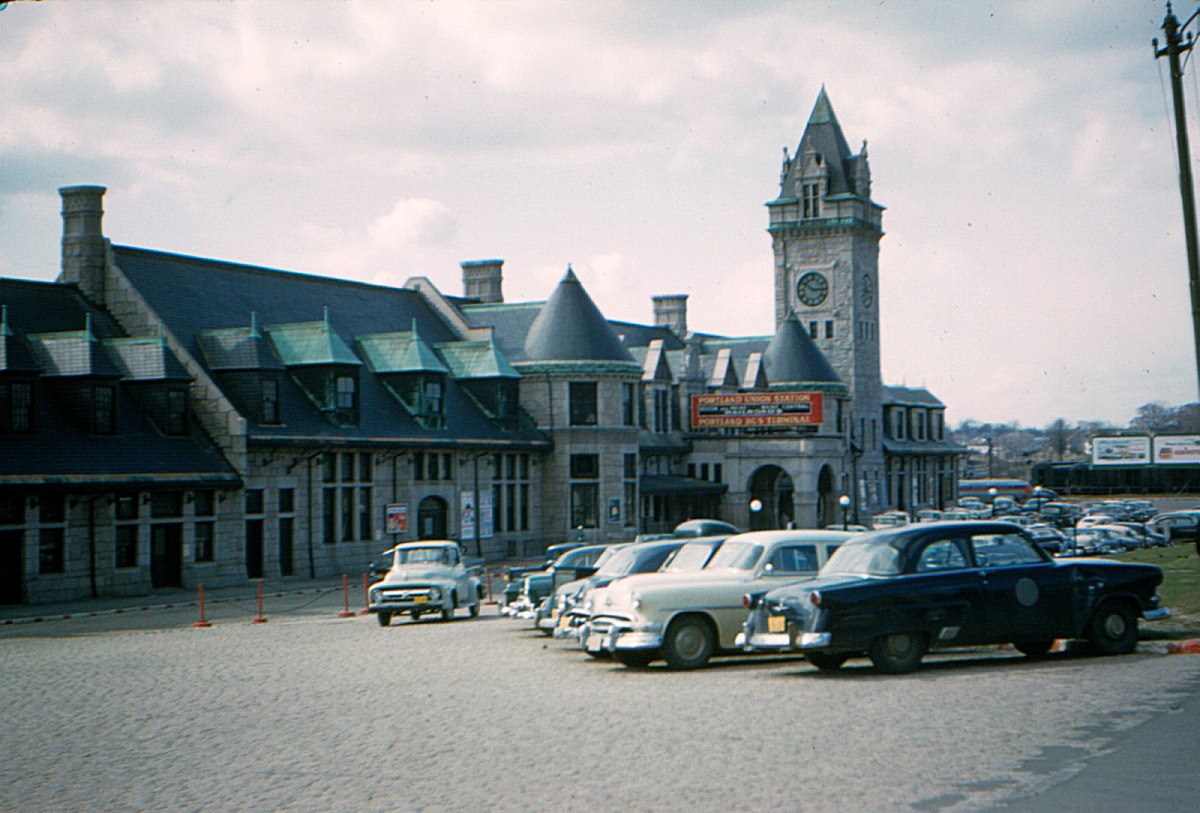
{"x":671,"y":311}
{"x":83,"y":244}
{"x":482,"y":280}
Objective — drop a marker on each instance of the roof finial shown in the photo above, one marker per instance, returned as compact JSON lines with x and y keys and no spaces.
{"x":87,"y":326}
{"x":5,"y":330}
{"x":414,"y":328}
{"x":254,"y":334}
{"x":325,"y":314}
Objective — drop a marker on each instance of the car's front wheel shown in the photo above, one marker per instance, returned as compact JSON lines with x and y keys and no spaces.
{"x":448,"y":609}
{"x":826,"y":661}
{"x":384,"y":619}
{"x":1113,"y":630}
{"x":688,"y":643}
{"x":898,"y":653}
{"x":473,"y":610}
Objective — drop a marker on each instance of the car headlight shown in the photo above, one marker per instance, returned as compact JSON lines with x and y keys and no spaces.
{"x":635,"y":601}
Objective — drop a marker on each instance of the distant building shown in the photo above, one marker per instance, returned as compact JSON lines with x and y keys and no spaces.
{"x":170,"y":420}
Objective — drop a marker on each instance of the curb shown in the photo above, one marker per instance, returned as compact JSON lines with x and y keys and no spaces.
{"x":143,"y":608}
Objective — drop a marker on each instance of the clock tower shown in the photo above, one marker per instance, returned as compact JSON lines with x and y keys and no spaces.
{"x":825,"y":230}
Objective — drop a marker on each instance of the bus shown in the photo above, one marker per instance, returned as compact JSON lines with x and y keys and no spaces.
{"x":995,"y":487}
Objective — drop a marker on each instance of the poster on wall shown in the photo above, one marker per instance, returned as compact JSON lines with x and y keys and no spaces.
{"x":487,"y":524}
{"x":1120,"y":451}
{"x":1176,"y":450}
{"x":614,"y":510}
{"x":466,"y":509}
{"x":396,"y":518}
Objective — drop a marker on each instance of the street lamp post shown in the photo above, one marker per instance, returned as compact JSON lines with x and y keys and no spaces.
{"x":844,"y":501}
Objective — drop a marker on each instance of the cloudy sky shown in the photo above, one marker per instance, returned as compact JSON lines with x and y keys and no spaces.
{"x":1033,"y":265}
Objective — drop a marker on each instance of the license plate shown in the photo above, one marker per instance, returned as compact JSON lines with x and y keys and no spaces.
{"x":776,"y":623}
{"x":564,"y":621}
{"x":554,"y":614}
{"x":421,"y":599}
{"x":593,"y":644}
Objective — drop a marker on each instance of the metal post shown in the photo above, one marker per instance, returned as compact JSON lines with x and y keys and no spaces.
{"x":1174,"y":47}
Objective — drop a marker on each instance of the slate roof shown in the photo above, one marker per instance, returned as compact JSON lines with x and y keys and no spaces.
{"x":792,"y":357}
{"x":181,"y":289}
{"x":822,"y":135}
{"x":571,"y":328}
{"x":60,"y":451}
{"x":910,"y":396}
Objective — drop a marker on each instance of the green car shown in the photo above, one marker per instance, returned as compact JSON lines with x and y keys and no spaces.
{"x":524,"y":591}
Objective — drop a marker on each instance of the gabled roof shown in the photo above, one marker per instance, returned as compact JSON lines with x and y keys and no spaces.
{"x":301,"y":344}
{"x":399,"y":353}
{"x":910,"y":396}
{"x":792,"y":357}
{"x":146,"y":358}
{"x":72,"y":353}
{"x":474,"y":360}
{"x":571,"y":328}
{"x":237,"y":348}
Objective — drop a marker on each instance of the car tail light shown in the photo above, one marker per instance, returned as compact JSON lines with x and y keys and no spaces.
{"x":747,"y":601}
{"x":815,"y":598}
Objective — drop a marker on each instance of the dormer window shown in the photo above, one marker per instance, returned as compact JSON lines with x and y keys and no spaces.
{"x":433,"y":398}
{"x":104,"y":410}
{"x":16,"y":407}
{"x":345,"y":392}
{"x":811,"y":199}
{"x":176,"y":417}
{"x":270,"y":400}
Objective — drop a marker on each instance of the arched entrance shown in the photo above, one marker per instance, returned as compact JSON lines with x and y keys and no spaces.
{"x":827,"y":503}
{"x":773,"y":488}
{"x":432,"y":514}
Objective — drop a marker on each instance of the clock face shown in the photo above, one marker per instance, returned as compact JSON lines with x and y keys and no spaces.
{"x":812,"y":288}
{"x":868,"y":291}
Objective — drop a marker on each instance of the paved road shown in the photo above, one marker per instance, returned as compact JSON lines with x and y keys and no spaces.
{"x":140,"y":711}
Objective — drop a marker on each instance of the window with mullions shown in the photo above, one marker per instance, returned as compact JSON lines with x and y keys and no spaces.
{"x":582,"y":403}
{"x":585,"y":505}
{"x":125,"y":529}
{"x":270,"y":400}
{"x":176,"y":423}
{"x":16,"y":407}
{"x":104,"y":418}
{"x":347,"y":497}
{"x":510,"y":492}
{"x":811,"y":193}
{"x":346,"y":392}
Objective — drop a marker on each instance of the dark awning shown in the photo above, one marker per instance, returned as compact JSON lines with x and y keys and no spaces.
{"x":674,"y":484}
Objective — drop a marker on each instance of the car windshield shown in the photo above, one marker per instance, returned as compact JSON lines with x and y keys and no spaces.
{"x":616,"y":564}
{"x":872,"y":558}
{"x":426,"y":556}
{"x":737,"y":555}
{"x":691,"y":556}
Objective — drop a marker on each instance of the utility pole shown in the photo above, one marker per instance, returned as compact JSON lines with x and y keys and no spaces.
{"x":1174,"y":47}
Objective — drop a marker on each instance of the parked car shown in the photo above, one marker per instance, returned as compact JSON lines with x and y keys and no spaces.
{"x":895,"y":594}
{"x":425,"y":577}
{"x":1050,"y":539}
{"x":1178,"y":526}
{"x":522,"y":597}
{"x":380,"y":565}
{"x":641,"y":557}
{"x":570,"y":606}
{"x":686,"y":618}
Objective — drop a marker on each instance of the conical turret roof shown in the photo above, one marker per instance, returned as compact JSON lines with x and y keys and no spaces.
{"x":571,"y":328}
{"x":823,"y":135}
{"x":792,"y":357}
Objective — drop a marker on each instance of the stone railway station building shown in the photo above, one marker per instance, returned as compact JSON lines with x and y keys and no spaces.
{"x":168,"y":420}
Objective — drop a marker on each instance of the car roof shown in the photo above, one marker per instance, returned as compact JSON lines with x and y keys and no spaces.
{"x":428,"y":543}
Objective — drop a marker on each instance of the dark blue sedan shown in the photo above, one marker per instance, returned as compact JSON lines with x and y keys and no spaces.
{"x":893,"y":595}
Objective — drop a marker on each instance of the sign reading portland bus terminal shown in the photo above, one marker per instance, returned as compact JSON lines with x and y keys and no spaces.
{"x":751,"y":409}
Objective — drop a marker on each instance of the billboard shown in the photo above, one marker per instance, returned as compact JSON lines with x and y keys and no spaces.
{"x":1120,"y":451}
{"x":1176,"y":450}
{"x":752,"y":409}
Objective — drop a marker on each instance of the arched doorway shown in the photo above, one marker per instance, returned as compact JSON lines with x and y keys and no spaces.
{"x":773,"y":488}
{"x":827,"y":503}
{"x":432,"y":514}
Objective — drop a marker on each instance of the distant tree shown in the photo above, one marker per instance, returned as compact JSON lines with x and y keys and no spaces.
{"x":1059,"y":436}
{"x":1188,"y":419}
{"x":1154,"y":417}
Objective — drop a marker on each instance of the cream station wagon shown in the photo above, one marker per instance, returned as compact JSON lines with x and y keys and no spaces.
{"x":686,"y":618}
